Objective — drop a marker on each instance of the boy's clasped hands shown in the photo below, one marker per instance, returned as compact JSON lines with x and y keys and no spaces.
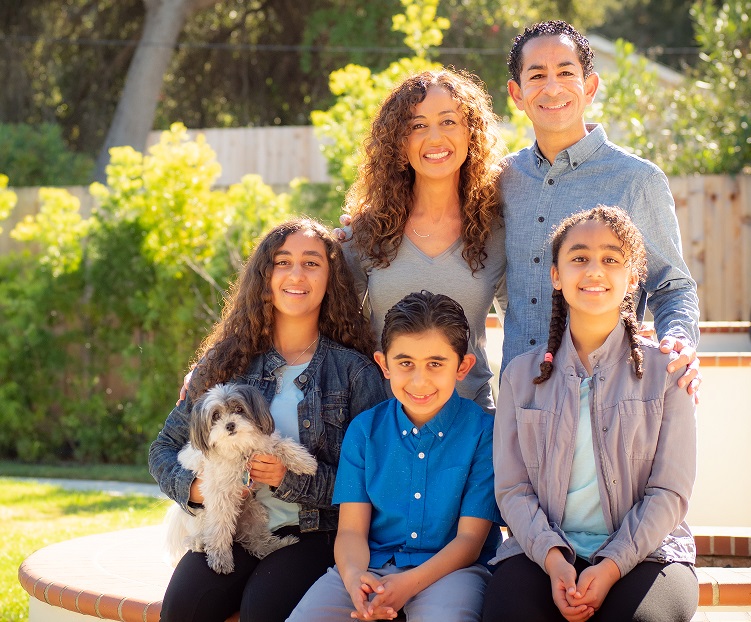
{"x":391,"y":592}
{"x":579,"y":600}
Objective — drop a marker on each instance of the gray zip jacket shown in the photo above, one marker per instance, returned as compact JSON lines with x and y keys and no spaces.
{"x":644,"y":435}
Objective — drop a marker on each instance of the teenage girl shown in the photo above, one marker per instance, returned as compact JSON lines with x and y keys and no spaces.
{"x":293,"y":329}
{"x":594,"y":450}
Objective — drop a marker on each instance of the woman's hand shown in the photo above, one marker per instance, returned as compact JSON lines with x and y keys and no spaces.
{"x":186,"y":384}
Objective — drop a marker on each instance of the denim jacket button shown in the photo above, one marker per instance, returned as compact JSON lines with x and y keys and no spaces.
{"x":303,"y":378}
{"x":306,"y":423}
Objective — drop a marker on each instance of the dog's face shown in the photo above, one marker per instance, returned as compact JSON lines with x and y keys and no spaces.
{"x":227,"y":417}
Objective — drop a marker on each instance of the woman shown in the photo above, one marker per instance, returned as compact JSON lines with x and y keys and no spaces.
{"x":425,"y":206}
{"x":291,"y":328}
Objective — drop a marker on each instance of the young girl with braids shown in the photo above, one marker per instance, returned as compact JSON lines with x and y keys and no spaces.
{"x":594,"y":450}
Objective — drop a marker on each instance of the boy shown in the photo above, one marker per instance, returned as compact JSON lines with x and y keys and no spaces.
{"x":415,"y":483}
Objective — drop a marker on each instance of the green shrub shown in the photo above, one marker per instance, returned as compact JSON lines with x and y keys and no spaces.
{"x":100,"y":316}
{"x":36,"y":155}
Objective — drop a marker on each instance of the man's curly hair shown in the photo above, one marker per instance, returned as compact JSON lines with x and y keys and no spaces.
{"x":549,"y":29}
{"x":381,"y":198}
{"x":247,"y":325}
{"x":632,"y":243}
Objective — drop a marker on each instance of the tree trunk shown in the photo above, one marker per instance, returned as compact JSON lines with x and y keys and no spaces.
{"x":134,"y":115}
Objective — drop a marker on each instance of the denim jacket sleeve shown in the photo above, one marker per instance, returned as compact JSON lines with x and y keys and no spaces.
{"x":172,"y":478}
{"x":671,"y":291}
{"x":365,"y":391}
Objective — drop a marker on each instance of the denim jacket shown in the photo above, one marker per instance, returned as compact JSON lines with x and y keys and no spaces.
{"x":338,"y":384}
{"x":644,"y":436}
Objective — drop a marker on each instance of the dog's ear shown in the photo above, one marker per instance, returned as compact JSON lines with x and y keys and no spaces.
{"x":259,"y":409}
{"x":200,"y":424}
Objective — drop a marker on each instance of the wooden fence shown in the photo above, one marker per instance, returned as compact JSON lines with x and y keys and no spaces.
{"x":714,"y":212}
{"x":277,"y":154}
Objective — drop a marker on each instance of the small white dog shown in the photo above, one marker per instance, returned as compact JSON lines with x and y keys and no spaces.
{"x":229,"y":424}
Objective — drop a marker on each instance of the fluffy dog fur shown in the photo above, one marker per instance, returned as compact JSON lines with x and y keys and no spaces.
{"x":229,"y":424}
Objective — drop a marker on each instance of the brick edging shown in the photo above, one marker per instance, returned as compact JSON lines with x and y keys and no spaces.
{"x":86,"y":602}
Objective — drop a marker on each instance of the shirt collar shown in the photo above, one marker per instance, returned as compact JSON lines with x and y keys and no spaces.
{"x":612,"y":351}
{"x":580,"y":151}
{"x":439,"y":425}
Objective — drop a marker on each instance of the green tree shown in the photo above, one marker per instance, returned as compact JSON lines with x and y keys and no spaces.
{"x":703,"y":126}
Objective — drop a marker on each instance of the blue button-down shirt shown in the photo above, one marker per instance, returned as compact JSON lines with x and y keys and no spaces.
{"x":538,"y":195}
{"x":419,"y":481}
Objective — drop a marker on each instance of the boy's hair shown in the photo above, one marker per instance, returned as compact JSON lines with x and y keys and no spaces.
{"x":549,"y":29}
{"x":424,"y":311}
{"x":632,"y":244}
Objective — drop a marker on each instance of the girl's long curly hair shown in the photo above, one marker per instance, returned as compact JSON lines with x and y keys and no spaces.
{"x":247,"y":325}
{"x":381,"y":197}
{"x":632,"y":243}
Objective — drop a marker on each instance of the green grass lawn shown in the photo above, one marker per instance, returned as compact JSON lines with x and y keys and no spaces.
{"x":34,"y":515}
{"x":116,"y":472}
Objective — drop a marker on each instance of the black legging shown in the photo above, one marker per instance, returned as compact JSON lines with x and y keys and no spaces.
{"x":264,"y":590}
{"x":519,"y":590}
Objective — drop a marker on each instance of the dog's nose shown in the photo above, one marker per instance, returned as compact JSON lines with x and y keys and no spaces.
{"x":230,"y":427}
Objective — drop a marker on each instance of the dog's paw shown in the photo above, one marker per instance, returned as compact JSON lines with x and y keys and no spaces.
{"x":265,"y":546}
{"x":220,"y":562}
{"x":307,"y":464}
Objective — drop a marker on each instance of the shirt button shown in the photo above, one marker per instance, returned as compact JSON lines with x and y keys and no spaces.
{"x":440,"y":434}
{"x":615,"y":481}
{"x":417,"y":495}
{"x":306,"y":423}
{"x":534,"y":301}
{"x":414,"y":535}
{"x":551,"y":182}
{"x":404,"y":432}
{"x":575,"y":164}
{"x":303,"y":378}
{"x":415,"y":430}
{"x":602,"y":378}
{"x":421,"y":455}
{"x":536,"y":260}
{"x":605,"y":429}
{"x":532,"y":342}
{"x":541,"y":219}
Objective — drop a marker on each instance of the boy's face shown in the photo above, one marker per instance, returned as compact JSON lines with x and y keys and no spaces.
{"x":423,"y":370}
{"x":552,"y":89}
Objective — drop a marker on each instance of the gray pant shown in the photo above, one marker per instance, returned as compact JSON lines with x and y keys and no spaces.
{"x":457,"y":597}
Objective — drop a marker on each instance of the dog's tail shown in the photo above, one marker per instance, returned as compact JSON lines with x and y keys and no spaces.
{"x":176,"y":534}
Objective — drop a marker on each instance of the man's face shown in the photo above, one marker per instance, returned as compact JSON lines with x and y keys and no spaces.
{"x":552,"y":90}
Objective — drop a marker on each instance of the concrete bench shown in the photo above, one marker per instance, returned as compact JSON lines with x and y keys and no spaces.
{"x":122,"y":576}
{"x":119,"y":575}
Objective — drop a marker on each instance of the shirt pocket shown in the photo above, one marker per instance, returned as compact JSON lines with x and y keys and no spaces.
{"x":640,"y":427}
{"x":531,"y":425}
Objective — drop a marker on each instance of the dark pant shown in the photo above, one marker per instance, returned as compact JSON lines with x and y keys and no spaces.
{"x":520,"y":590}
{"x":265,"y":590}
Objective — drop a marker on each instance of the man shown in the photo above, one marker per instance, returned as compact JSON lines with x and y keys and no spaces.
{"x":571,"y":167}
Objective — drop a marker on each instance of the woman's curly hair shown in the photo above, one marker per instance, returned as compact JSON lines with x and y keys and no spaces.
{"x":625,"y":230}
{"x":247,"y":325}
{"x":381,"y":197}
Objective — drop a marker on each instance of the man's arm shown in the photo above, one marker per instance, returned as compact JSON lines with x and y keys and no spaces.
{"x":671,"y":291}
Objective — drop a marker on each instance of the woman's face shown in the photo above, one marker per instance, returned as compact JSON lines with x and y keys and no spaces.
{"x":438,"y":142}
{"x":300,"y":275}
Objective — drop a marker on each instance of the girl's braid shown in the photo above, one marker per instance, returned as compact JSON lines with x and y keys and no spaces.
{"x":557,"y":329}
{"x":628,"y":315}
